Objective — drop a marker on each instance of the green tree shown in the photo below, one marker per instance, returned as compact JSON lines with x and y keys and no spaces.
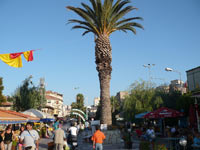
{"x":184,"y":102}
{"x":74,"y":105}
{"x":115,"y":105}
{"x":170,"y":98}
{"x":79,"y":104}
{"x":142,"y":98}
{"x":2,"y":97}
{"x":115,"y":108}
{"x":102,"y":20}
{"x":28,"y":96}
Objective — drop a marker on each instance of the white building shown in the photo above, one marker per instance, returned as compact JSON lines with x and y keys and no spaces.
{"x":66,"y":110}
{"x":178,"y":85}
{"x":54,"y":100}
{"x":96,"y":101}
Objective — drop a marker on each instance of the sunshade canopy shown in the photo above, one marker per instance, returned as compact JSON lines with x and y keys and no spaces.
{"x":9,"y":118}
{"x":141,"y":115}
{"x":37,"y":113}
{"x":13,"y":117}
{"x":164,"y":112}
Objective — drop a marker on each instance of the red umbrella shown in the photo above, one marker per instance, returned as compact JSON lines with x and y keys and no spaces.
{"x":163,"y":112}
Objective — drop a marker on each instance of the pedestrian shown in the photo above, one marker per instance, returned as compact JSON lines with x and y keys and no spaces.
{"x":1,"y":143}
{"x":22,"y":128}
{"x":59,"y":138}
{"x":8,"y":135}
{"x":97,"y":139}
{"x":127,"y":138}
{"x":56,"y":123}
{"x":86,"y":126}
{"x":73,"y":132}
{"x":30,"y":137}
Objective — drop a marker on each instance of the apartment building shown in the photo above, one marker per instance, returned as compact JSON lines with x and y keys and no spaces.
{"x":54,"y":103}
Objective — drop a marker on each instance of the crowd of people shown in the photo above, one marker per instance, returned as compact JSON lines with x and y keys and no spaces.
{"x":192,"y":136}
{"x":26,"y":139}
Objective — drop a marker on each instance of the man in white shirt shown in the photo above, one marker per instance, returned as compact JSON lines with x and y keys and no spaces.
{"x":73,"y":130}
{"x":150,"y":134}
{"x":30,"y":137}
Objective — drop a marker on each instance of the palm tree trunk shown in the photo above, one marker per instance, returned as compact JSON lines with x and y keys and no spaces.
{"x":103,"y":53}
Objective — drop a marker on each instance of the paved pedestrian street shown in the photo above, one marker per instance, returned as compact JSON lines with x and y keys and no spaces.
{"x":120,"y":146}
{"x":82,"y":145}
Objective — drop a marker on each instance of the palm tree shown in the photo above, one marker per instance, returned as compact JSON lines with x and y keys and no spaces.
{"x":102,"y":20}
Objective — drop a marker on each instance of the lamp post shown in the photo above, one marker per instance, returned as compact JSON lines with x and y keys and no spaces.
{"x":172,"y":70}
{"x":149,"y":68}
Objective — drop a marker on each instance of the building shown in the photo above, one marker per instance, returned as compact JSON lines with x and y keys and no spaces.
{"x":66,"y":110}
{"x":178,"y":85}
{"x":96,"y":101}
{"x":193,"y":79}
{"x":55,"y":101}
{"x":164,"y":88}
{"x":121,"y":96}
{"x":6,"y":105}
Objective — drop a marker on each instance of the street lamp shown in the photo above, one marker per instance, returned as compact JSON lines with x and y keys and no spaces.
{"x":172,"y":70}
{"x":149,"y":68}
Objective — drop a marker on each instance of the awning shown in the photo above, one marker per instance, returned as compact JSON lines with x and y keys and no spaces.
{"x":141,"y":115}
{"x":37,"y":113}
{"x":28,"y":117}
{"x":47,"y":120}
{"x":7,"y":118}
{"x":12,"y":117}
{"x":164,"y":112}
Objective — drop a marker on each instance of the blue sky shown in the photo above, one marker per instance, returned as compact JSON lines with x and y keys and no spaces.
{"x":171,"y":38}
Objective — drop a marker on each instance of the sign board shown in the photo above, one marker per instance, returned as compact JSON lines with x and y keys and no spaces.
{"x":104,"y":127}
{"x":95,"y":122}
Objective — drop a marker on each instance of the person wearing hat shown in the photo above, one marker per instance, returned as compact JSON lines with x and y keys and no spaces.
{"x":30,"y":137}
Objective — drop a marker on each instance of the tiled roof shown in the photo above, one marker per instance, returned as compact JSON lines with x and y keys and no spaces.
{"x":21,"y":115}
{"x":17,"y":114}
{"x":10,"y":117}
{"x":50,"y":92}
{"x":48,"y":97}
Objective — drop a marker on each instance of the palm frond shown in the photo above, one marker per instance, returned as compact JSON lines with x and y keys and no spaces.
{"x":121,"y":13}
{"x":127,"y":20}
{"x":127,"y":27}
{"x":86,"y":32}
{"x":90,"y":12}
{"x":82,"y":13}
{"x":105,"y":18}
{"x":83,"y":27}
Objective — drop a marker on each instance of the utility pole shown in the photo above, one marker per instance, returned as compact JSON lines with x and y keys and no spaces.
{"x":149,"y":66}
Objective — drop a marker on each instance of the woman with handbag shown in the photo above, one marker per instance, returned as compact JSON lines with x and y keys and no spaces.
{"x":8,"y":136}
